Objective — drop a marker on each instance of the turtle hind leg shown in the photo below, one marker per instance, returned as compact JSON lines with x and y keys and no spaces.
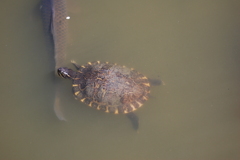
{"x":155,"y":82}
{"x":134,"y":119}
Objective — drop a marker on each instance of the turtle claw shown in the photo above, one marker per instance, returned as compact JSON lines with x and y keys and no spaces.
{"x":72,"y":61}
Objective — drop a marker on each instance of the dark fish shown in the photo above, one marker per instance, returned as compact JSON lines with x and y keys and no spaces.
{"x":54,"y":16}
{"x":46,"y":11}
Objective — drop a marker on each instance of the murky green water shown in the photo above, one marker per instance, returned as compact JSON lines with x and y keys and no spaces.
{"x":193,"y":46}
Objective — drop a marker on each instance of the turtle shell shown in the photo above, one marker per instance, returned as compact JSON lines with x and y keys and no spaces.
{"x":110,"y":87}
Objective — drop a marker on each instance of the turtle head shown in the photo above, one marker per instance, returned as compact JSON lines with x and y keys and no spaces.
{"x":65,"y":73}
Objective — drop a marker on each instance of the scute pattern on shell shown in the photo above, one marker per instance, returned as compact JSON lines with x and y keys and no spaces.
{"x":110,"y":87}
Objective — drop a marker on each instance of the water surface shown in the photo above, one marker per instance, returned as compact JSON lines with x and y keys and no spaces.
{"x":192,"y":46}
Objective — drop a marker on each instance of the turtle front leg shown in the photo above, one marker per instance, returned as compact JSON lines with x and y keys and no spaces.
{"x":75,"y":65}
{"x":134,"y":119}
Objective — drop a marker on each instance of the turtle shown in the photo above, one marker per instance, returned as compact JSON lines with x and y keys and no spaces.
{"x":109,"y":87}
